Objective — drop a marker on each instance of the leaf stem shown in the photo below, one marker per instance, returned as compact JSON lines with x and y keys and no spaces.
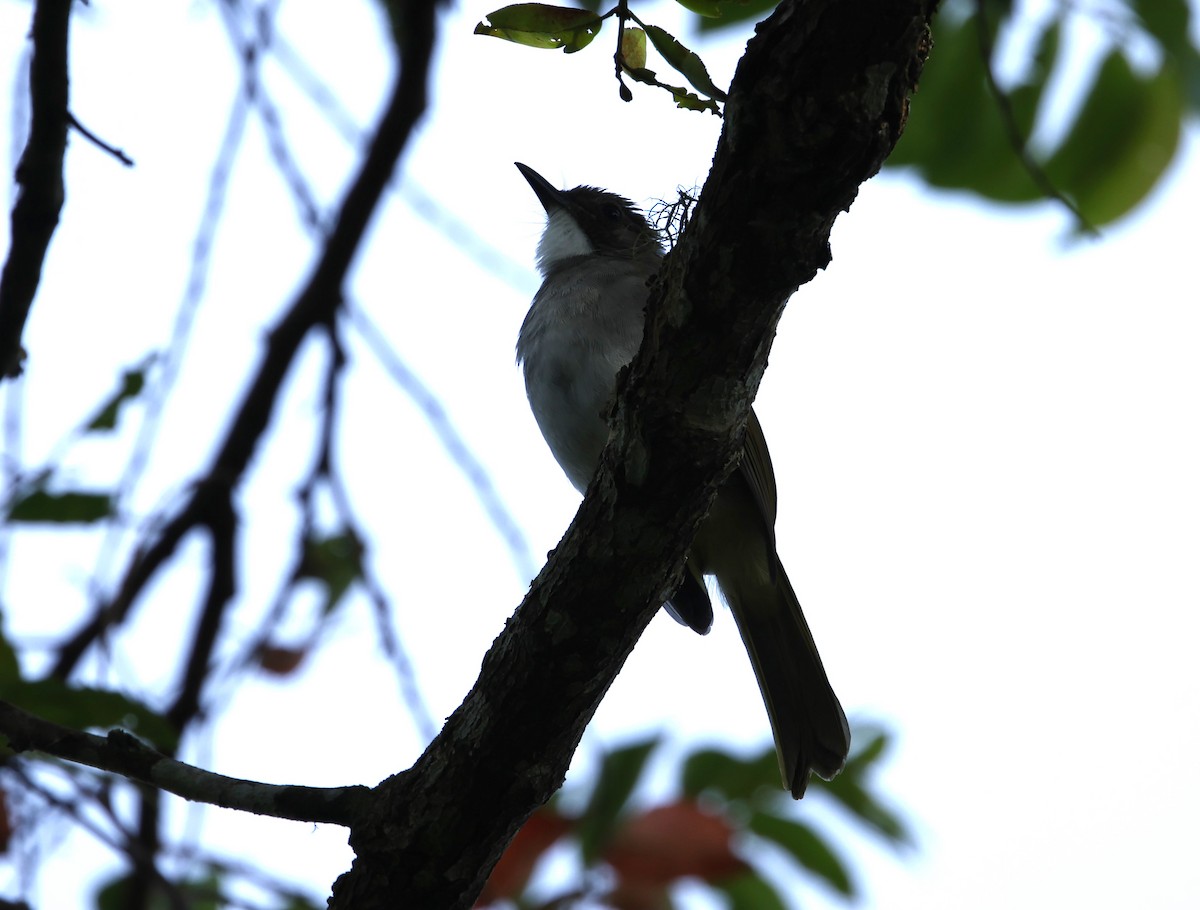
{"x":623,"y":15}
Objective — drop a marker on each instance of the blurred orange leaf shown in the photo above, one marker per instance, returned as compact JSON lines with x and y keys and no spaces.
{"x":678,"y":840}
{"x":637,"y":895}
{"x":279,"y":661}
{"x":6,"y":825}
{"x":516,"y":864}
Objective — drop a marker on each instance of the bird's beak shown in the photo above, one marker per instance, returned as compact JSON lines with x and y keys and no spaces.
{"x":550,"y":197}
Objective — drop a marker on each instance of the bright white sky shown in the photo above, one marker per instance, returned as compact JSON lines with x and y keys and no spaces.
{"x":986,"y":442}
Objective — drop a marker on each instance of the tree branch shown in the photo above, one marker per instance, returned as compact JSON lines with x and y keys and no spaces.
{"x":40,"y":176}
{"x":95,"y":140}
{"x":122,"y":754}
{"x":316,"y":305}
{"x":222,"y":523}
{"x":818,"y":102}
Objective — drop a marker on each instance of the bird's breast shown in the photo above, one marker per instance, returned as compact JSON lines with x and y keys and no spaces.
{"x":584,"y":326}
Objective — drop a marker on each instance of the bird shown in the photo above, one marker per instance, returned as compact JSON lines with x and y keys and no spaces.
{"x":597,"y":256}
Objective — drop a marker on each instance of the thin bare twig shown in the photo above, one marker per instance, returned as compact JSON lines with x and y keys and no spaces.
{"x":457,"y":448}
{"x":453,"y":228}
{"x":389,"y":638}
{"x":172,"y":358}
{"x":95,"y":140}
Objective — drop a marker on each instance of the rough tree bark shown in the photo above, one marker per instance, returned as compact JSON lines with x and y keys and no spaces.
{"x":818,"y":102}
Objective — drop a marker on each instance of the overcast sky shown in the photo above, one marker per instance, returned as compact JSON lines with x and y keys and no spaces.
{"x":985,"y":438}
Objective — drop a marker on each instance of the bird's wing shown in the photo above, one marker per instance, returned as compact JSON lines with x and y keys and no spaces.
{"x":756,"y":468}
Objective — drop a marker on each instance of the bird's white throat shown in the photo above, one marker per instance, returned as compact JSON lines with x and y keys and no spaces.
{"x":562,"y":239}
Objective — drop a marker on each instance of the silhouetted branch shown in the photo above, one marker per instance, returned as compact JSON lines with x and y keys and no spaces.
{"x":120,"y":753}
{"x":251,"y":50}
{"x":221,"y":522}
{"x":40,"y":176}
{"x":98,"y":142}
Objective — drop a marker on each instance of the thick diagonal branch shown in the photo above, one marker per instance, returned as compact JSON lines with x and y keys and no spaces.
{"x":39,"y":176}
{"x":817,"y":104}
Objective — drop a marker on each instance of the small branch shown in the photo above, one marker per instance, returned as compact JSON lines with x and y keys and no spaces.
{"x":120,"y":753}
{"x":40,"y":175}
{"x":326,"y":470}
{"x":97,"y":141}
{"x":222,"y":523}
{"x":623,"y":15}
{"x":457,"y":449}
{"x":389,"y":636}
{"x":1016,"y":138}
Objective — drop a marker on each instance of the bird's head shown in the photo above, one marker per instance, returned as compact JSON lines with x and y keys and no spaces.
{"x":587,"y":221}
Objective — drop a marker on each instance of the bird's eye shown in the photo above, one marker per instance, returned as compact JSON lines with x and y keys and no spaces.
{"x":612,"y":212}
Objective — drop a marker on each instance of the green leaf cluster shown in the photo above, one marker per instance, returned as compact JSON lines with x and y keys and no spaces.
{"x":572,"y":29}
{"x":1108,"y":158}
{"x":749,"y":789}
{"x":965,"y":130}
{"x":80,"y":707}
{"x":334,"y":562}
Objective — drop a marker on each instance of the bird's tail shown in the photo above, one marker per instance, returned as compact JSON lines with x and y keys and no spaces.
{"x":811,"y":733}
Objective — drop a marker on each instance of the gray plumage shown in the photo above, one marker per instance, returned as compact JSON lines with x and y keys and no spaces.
{"x":597,"y":256}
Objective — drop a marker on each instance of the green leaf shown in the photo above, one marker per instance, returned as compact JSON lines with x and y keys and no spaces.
{"x":851,"y":787}
{"x":195,"y":894}
{"x":807,"y":847}
{"x":299,"y":902}
{"x":619,"y":774}
{"x":1116,"y":151}
{"x":951,"y":91}
{"x":683,"y":98}
{"x":335,"y":562}
{"x":1169,"y":21}
{"x":735,"y":12}
{"x":72,"y":507}
{"x":1001,"y":174}
{"x":850,"y":792}
{"x":544,"y":26}
{"x":873,"y":744}
{"x":750,"y":891}
{"x":1122,"y":141}
{"x":707,"y":8}
{"x":10,"y":666}
{"x":132,"y":383}
{"x":734,"y":778}
{"x":685,"y":61}
{"x":83,"y":708}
